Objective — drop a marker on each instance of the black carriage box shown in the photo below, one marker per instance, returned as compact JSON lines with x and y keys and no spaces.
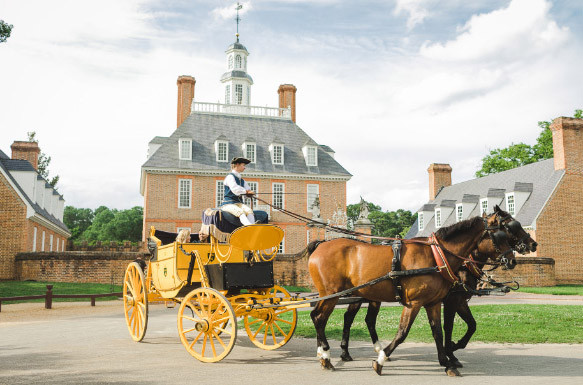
{"x":240,"y":275}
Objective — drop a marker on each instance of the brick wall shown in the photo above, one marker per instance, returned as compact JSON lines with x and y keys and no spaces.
{"x":529,"y":271}
{"x":13,"y":223}
{"x":72,"y":266}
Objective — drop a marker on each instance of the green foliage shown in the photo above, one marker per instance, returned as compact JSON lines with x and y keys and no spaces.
{"x":77,"y":220}
{"x":385,"y":223}
{"x":26,"y":288}
{"x":43,"y":162}
{"x":115,"y":225}
{"x":353,"y":210}
{"x":5,"y":30}
{"x":516,"y":155}
{"x":555,"y":290}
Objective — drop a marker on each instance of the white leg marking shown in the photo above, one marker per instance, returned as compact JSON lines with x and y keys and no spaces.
{"x":319,"y":352}
{"x":326,"y":354}
{"x":382,"y":358}
{"x":378,"y":347}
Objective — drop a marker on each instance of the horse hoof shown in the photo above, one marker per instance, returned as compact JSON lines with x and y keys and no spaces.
{"x":345,"y":356}
{"x":326,"y":364}
{"x":377,"y":368}
{"x":452,"y":372}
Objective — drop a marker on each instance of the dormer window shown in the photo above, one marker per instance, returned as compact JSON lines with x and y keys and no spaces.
{"x":238,"y":62}
{"x":437,"y":218}
{"x":250,"y":151}
{"x":459,"y":212}
{"x":228,"y":94}
{"x":483,"y":206}
{"x":510,"y":204}
{"x":230,"y":62}
{"x":185,"y":149}
{"x":420,"y":221}
{"x":311,"y":155}
{"x":276,"y":151}
{"x":222,"y":150}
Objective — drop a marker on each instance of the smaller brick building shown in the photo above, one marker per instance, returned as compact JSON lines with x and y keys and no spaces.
{"x":545,"y":197}
{"x":31,"y":210}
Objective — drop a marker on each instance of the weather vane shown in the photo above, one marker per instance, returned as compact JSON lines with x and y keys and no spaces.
{"x":239,"y":6}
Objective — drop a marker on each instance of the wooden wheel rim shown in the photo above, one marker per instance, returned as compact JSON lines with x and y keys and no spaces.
{"x":135,"y":301}
{"x":203,"y":331}
{"x":280,"y":325}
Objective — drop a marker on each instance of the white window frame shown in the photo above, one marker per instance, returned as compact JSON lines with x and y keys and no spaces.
{"x":311,"y":195}
{"x":281,"y":247}
{"x":248,"y":94}
{"x":238,"y":94}
{"x":437,"y":218}
{"x":511,"y":204}
{"x":253,"y":186}
{"x":459,"y":212}
{"x":251,"y":155}
{"x":484,"y":202}
{"x":228,"y":94}
{"x":219,"y":192}
{"x":185,"y":149}
{"x":238,"y":62}
{"x":275,"y":194}
{"x":273,"y":150}
{"x":42,"y":245}
{"x":314,"y":151}
{"x":63,"y":244}
{"x":230,"y":62}
{"x":420,"y":221}
{"x":218,"y":144}
{"x":34,"y":235}
{"x":185,"y":183}
{"x":50,"y":242}
{"x":307,"y":237}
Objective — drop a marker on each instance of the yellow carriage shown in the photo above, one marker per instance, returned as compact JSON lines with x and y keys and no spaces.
{"x":218,"y":287}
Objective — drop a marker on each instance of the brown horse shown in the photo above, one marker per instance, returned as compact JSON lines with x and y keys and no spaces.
{"x":456,"y":302}
{"x":342,"y":264}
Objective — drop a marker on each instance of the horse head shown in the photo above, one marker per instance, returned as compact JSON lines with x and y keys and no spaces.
{"x":498,"y":238}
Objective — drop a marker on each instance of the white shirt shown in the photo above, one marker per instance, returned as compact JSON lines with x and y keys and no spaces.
{"x":232,"y":184}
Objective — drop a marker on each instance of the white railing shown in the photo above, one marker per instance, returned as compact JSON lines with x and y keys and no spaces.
{"x":238,"y":109}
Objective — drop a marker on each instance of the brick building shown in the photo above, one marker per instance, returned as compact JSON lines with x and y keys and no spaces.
{"x":545,"y":197}
{"x":184,"y":172}
{"x":31,"y":210}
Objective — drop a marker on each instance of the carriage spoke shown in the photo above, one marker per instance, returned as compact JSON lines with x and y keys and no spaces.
{"x":283,"y":311}
{"x":194,"y":341}
{"x":259,"y":329}
{"x":283,"y":320}
{"x":212,"y":345}
{"x":265,"y":335}
{"x":188,"y":330}
{"x":190,"y":318}
{"x":254,"y":322}
{"x":273,"y":334}
{"x":204,"y":345}
{"x":280,"y":329}
{"x":221,"y":320}
{"x":224,"y":330}
{"x":219,"y":339}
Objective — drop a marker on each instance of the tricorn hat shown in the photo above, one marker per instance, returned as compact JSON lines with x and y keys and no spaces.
{"x":240,"y":160}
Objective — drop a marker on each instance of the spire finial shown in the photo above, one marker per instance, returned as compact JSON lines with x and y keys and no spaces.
{"x":238,"y":19}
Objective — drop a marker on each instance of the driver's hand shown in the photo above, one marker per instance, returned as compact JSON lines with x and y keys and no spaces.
{"x":249,"y":192}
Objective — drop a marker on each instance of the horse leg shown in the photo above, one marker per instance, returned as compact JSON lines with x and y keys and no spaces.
{"x":348,"y":320}
{"x":434,"y":316}
{"x":466,"y":314}
{"x":407,"y":317}
{"x":320,"y":316}
{"x":450,"y":306}
{"x":371,"y":322}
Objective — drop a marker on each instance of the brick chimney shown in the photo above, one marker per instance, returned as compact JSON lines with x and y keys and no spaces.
{"x":439,"y":176}
{"x":185,"y":95}
{"x":287,"y":98}
{"x":27,"y":151}
{"x":568,"y":144}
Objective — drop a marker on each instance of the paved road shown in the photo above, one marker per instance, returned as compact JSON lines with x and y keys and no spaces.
{"x":75,"y":343}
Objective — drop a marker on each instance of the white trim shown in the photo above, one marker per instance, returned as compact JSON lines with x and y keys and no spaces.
{"x":458,"y":206}
{"x":306,"y":151}
{"x":506,"y":198}
{"x":51,"y":242}
{"x":253,"y":186}
{"x":42,"y":245}
{"x":308,"y":203}
{"x":189,"y":184}
{"x":253,"y":158}
{"x":34,"y":235}
{"x":273,"y":175}
{"x":226,"y":143}
{"x":281,"y":247}
{"x":440,"y":223}
{"x":272,"y":147}
{"x":188,"y":149}
{"x":219,"y":190}
{"x":420,"y":223}
{"x":487,"y":206}
{"x":49,"y":225}
{"x":282,"y":194}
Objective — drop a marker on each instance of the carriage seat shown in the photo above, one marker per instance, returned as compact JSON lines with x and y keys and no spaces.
{"x":167,"y":237}
{"x":220,"y":224}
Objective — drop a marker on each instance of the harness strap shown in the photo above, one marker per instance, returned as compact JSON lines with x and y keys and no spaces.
{"x":442,"y":263}
{"x":396,"y":267}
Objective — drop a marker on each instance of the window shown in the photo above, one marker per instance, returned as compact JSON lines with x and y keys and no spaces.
{"x":281,"y":248}
{"x":50,"y":242}
{"x":250,"y":150}
{"x":312,"y":193}
{"x":34,"y":239}
{"x":248,"y":94}
{"x":459,"y":212}
{"x":277,"y":154}
{"x":184,"y":189}
{"x":438,"y":218}
{"x":42,"y":242}
{"x":245,"y":63}
{"x":220,"y":195}
{"x":222,"y":150}
{"x":510,"y":204}
{"x":278,"y":189}
{"x":420,"y":221}
{"x":252,"y":187}
{"x":228,"y":94}
{"x":62,"y":245}
{"x":185,"y":150}
{"x":484,"y":206}
{"x":310,"y":152}
{"x":230,"y":62}
{"x":238,"y":62}
{"x":238,"y":93}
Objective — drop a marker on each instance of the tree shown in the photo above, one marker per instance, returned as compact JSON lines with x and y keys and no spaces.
{"x":385,"y":224}
{"x":115,"y":225}
{"x":43,"y":162}
{"x":5,"y":30}
{"x":520,"y":154}
{"x":77,"y":220}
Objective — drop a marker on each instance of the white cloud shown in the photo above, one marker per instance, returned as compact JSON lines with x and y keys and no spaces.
{"x":230,"y":11}
{"x":415,"y":10}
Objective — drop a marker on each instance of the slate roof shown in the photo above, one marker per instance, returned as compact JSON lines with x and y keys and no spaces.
{"x":540,"y":179}
{"x":237,"y":45}
{"x":204,"y":129}
{"x":237,"y":74}
{"x":8,"y":165}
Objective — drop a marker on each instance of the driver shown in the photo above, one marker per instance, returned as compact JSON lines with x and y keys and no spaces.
{"x":235,"y":188}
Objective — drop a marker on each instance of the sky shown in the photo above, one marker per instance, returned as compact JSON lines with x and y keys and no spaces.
{"x":390,"y":86}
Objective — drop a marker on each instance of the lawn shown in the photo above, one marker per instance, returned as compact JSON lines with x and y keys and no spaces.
{"x":555,"y":290}
{"x":25,"y":288}
{"x":496,"y":323}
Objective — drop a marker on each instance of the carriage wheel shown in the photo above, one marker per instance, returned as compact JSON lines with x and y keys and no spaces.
{"x":135,"y":301}
{"x":272,"y":328}
{"x":208,"y":330}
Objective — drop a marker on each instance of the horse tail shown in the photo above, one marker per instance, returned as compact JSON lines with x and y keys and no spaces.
{"x":308,"y":250}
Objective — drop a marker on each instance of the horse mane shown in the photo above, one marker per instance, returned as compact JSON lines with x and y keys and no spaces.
{"x":448,"y":232}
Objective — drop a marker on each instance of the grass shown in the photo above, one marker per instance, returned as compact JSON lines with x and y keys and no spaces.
{"x":496,"y":323}
{"x":555,"y":290}
{"x":297,"y":289}
{"x":25,"y":288}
